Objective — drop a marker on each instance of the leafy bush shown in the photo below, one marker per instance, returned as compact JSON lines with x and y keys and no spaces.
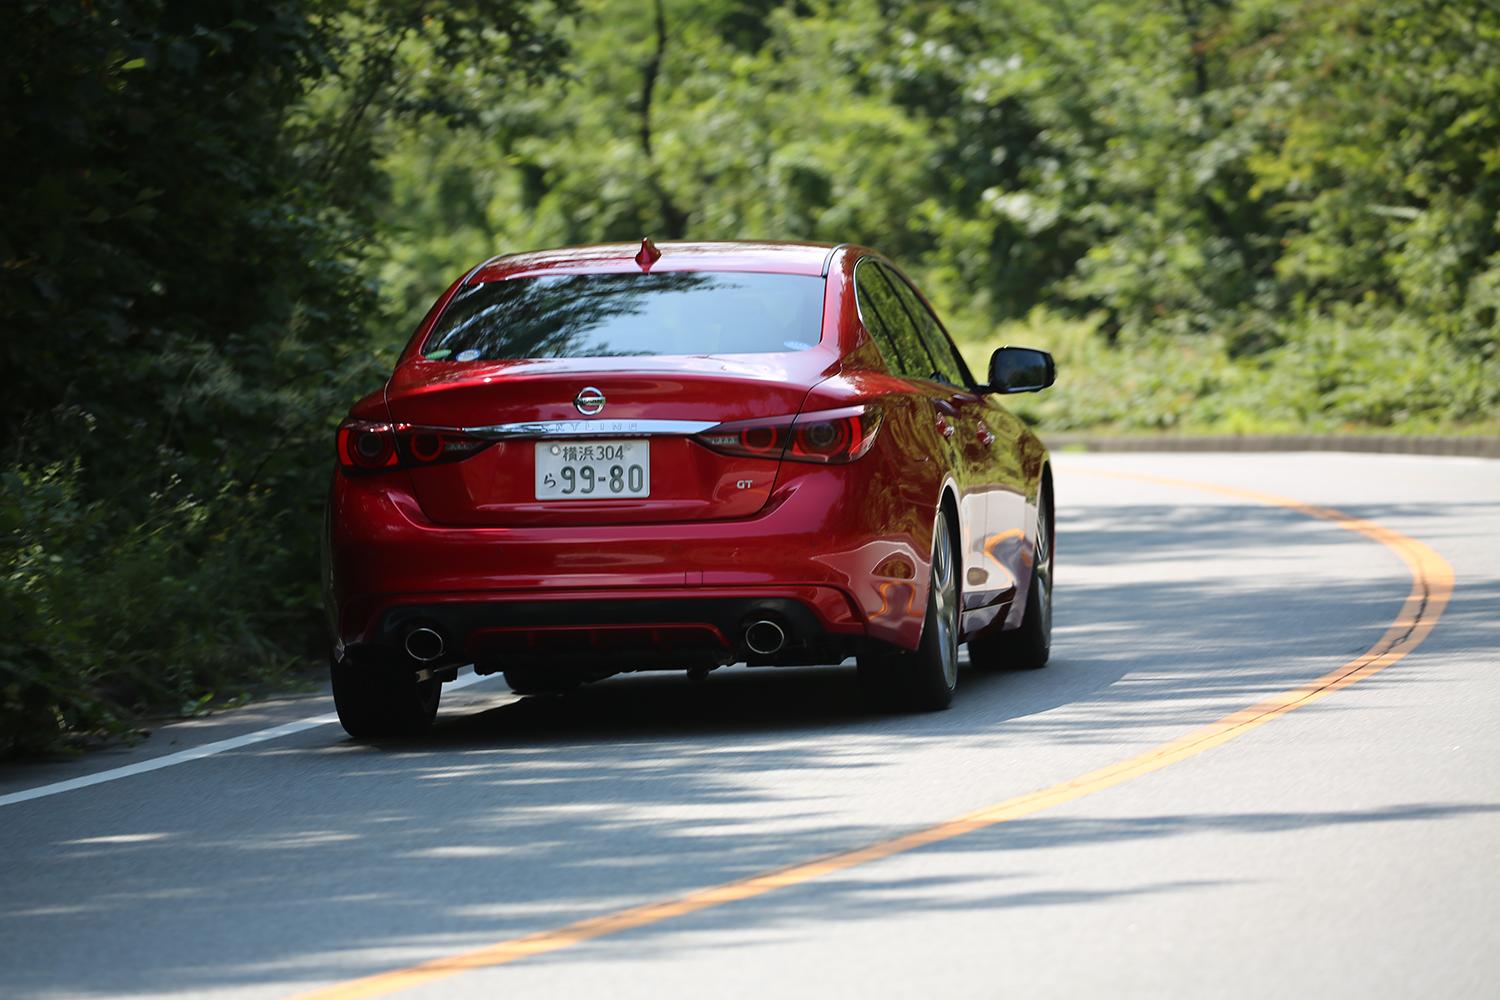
{"x":1237,"y":215}
{"x":1347,"y":373}
{"x":187,"y":286}
{"x":100,"y":621}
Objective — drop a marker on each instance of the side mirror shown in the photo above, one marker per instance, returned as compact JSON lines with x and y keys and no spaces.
{"x":1021,"y":369}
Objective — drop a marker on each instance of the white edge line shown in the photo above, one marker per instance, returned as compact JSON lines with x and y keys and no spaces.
{"x":197,"y":753}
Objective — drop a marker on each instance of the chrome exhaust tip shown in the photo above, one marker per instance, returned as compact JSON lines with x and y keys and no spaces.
{"x":764,"y":637}
{"x":424,"y":644}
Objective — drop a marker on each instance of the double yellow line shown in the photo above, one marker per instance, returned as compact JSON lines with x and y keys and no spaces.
{"x":1431,"y":588}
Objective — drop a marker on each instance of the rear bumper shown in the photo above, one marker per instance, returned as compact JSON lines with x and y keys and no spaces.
{"x":607,"y":631}
{"x":834,"y":572}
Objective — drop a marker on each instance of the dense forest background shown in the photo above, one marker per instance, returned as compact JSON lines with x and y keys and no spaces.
{"x":221,"y":219}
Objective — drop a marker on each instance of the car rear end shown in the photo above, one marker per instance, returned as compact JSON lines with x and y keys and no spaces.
{"x":599,"y":460}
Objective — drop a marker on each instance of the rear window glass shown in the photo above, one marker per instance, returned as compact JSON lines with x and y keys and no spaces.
{"x":608,"y":315}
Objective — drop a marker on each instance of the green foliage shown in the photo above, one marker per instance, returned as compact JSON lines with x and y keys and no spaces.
{"x":185,"y":274}
{"x":101,"y":621}
{"x":1210,"y":180}
{"x":1340,"y":373}
{"x":766,"y":134}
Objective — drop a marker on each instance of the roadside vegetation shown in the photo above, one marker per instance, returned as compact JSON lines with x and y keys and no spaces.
{"x":222,"y":218}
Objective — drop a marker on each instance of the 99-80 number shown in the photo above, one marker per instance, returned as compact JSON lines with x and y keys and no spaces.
{"x":586,"y":479}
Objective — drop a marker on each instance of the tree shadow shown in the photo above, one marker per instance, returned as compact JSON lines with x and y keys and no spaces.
{"x":318,"y":858}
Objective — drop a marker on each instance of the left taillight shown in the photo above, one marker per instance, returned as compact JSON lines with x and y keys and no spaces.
{"x":367,"y":446}
{"x":825,"y":436}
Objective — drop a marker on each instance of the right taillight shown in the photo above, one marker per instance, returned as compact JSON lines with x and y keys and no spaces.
{"x":827,"y":436}
{"x":367,"y":446}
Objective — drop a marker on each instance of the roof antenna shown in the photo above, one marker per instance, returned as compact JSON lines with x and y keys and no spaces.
{"x":649,"y":254}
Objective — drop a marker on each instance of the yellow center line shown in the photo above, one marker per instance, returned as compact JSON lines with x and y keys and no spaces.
{"x":1431,"y":588}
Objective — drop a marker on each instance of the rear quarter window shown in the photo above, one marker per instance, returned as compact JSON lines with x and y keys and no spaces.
{"x":623,"y":315}
{"x":889,"y":323}
{"x":949,"y":364}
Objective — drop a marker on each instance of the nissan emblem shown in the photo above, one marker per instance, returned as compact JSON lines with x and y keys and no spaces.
{"x":590,"y":401}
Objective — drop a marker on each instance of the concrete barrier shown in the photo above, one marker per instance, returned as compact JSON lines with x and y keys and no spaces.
{"x":1477,"y":446}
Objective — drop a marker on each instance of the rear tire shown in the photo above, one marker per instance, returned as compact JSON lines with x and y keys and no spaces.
{"x":377,"y":703}
{"x":924,"y":679}
{"x":1030,"y":646}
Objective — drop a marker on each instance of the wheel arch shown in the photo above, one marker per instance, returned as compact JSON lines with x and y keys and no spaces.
{"x":1046,"y":490}
{"x":948,"y":505}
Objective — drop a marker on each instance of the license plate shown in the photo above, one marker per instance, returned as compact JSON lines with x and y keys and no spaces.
{"x":593,"y":470}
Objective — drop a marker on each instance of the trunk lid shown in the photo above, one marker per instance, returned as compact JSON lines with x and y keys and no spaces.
{"x":661,"y":404}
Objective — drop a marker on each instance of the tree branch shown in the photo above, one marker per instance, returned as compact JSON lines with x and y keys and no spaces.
{"x":673,"y":218}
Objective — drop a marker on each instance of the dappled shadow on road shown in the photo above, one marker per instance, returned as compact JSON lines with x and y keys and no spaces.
{"x":318,"y":858}
{"x":1009,"y":881}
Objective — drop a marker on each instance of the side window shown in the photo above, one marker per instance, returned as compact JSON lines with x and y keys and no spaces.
{"x":891,"y":324}
{"x":949,"y":364}
{"x":876,"y":304}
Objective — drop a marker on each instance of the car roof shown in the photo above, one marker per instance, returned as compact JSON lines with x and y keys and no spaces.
{"x":615,"y":258}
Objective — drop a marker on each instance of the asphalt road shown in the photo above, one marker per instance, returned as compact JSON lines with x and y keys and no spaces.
{"x":1345,"y":848}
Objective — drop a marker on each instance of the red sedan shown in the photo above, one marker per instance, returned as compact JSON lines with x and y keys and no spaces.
{"x":613,"y":458}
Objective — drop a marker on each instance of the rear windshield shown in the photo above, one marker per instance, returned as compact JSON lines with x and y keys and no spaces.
{"x":604,"y":315}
